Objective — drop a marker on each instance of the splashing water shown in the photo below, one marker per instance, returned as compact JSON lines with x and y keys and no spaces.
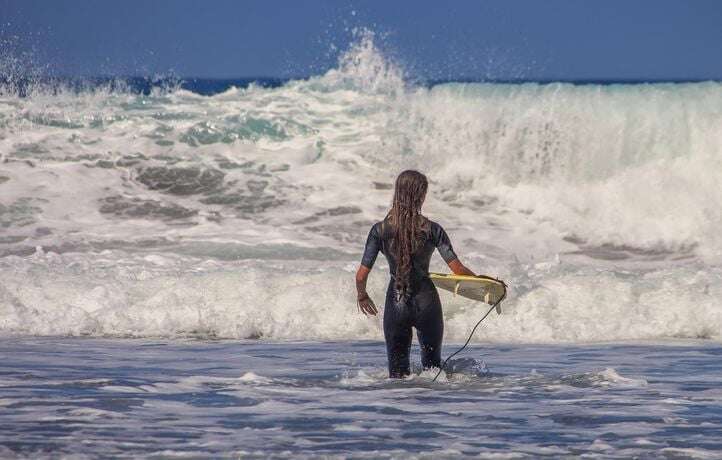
{"x":242,"y":214}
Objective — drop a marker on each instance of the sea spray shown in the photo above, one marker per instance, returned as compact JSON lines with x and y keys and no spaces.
{"x":243,"y":214}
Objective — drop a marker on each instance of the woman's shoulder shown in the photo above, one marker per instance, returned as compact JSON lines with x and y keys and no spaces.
{"x":377,"y":227}
{"x":436,"y":230}
{"x":382,"y":228}
{"x":433,"y":225}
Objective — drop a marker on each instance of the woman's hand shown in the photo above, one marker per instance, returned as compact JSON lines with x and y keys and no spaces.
{"x":367,"y":306}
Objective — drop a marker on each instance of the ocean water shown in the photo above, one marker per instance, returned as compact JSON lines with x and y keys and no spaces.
{"x":138,"y":222}
{"x":89,"y":397}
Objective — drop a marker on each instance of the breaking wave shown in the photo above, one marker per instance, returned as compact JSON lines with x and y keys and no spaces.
{"x":242,"y":214}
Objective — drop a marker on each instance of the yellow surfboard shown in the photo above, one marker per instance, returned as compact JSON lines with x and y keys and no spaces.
{"x":483,"y":288}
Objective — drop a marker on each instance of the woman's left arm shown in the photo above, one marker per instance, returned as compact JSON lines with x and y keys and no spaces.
{"x":459,"y":269}
{"x":443,"y":244}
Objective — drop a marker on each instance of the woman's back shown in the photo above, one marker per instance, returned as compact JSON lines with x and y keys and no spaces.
{"x":408,"y":240}
{"x":380,"y":239}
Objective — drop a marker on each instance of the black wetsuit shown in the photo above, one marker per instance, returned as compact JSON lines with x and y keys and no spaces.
{"x":421,"y":308}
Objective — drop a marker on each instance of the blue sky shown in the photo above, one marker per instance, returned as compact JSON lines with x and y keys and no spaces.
{"x":505,"y":39}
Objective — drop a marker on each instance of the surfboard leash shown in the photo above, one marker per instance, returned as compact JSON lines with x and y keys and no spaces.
{"x":498,"y":302}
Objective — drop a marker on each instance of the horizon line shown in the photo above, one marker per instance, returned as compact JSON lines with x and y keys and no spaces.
{"x":426,"y":81}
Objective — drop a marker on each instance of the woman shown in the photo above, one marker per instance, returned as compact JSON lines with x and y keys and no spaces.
{"x":408,"y":239}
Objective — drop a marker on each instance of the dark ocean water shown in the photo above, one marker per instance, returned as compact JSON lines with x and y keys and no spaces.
{"x":211,"y":86}
{"x":101,"y":398}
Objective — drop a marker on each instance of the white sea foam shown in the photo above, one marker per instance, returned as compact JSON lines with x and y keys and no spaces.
{"x":243,"y":214}
{"x":80,"y":294}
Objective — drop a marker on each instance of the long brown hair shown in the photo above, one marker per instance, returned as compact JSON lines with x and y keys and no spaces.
{"x":410,"y":228}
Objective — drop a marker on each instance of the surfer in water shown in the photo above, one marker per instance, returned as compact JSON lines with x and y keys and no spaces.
{"x":408,"y":239}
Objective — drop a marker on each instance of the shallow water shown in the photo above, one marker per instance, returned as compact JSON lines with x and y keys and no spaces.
{"x":258,"y":399}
